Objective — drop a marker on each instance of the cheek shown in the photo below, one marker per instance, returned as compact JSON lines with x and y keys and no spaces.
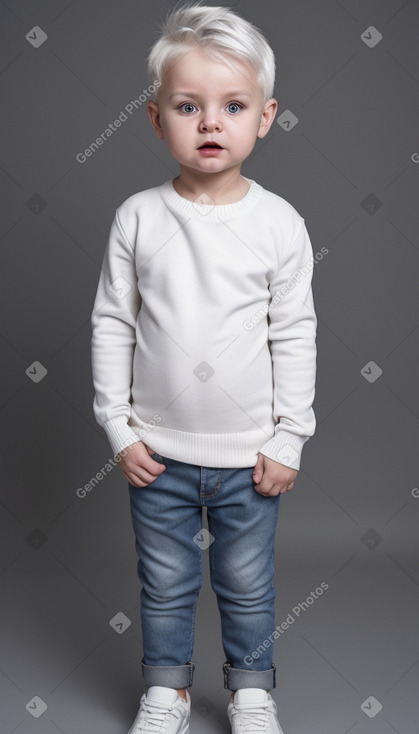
{"x":171,"y":137}
{"x":245,"y":139}
{"x":175,"y":132}
{"x":246,"y":130}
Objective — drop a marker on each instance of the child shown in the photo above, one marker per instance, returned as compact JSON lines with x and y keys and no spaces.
{"x":204,"y":364}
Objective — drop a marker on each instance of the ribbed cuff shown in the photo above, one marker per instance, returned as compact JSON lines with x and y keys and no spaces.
{"x":285,"y":448}
{"x":119,"y":434}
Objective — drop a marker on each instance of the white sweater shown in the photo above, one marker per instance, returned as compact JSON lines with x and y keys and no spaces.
{"x":204,"y":329}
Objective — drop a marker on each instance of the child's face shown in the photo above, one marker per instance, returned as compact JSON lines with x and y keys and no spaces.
{"x":200,"y":100}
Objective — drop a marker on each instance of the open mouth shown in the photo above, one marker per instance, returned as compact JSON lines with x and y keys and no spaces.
{"x":210,"y":145}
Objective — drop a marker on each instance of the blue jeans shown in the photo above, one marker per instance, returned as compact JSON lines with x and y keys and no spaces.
{"x":170,"y":540}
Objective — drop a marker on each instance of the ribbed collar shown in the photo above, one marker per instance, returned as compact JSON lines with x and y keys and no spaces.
{"x":219,"y":211}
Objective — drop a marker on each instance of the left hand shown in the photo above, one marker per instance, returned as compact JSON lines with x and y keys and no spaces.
{"x":272,"y":478}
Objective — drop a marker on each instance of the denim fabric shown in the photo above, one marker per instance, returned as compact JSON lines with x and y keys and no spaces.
{"x":170,"y":541}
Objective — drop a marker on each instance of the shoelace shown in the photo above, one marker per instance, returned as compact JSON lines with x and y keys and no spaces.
{"x":153,"y":718}
{"x":251,"y":720}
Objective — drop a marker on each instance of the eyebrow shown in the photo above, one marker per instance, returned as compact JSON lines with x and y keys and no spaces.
{"x":235,"y":93}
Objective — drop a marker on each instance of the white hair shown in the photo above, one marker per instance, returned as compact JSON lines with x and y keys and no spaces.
{"x":218,"y":30}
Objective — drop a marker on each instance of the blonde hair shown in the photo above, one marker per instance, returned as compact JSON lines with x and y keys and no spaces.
{"x":218,"y":30}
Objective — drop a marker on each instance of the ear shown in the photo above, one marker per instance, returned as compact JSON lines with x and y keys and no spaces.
{"x":154,"y":115}
{"x":268,"y":116}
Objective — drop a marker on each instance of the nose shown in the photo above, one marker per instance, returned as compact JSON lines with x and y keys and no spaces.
{"x":210,"y":122}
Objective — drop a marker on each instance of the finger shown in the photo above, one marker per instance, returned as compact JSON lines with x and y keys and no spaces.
{"x":152,"y":466}
{"x":130,"y":477}
{"x":140,"y":477}
{"x":275,"y":490}
{"x":142,"y":480}
{"x":137,"y":482}
{"x":263,"y":492}
{"x":257,"y":475}
{"x":147,"y":470}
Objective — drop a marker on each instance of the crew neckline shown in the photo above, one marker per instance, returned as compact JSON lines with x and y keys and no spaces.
{"x":219,"y":211}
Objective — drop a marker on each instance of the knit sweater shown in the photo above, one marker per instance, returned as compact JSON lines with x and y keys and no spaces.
{"x":204,"y":329}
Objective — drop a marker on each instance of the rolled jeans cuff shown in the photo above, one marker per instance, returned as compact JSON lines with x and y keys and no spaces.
{"x":236,"y":678}
{"x":168,"y":676}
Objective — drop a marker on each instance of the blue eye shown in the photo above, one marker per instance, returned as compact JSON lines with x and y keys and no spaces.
{"x":187,"y":104}
{"x":234,"y":104}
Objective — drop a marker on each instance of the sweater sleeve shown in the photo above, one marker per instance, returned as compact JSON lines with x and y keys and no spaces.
{"x":113,"y":322}
{"x":292,"y":337}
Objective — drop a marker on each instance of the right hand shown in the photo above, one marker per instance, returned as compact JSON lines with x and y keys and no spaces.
{"x":137,"y":465}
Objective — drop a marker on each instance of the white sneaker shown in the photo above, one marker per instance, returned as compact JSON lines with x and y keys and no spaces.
{"x":162,"y":711}
{"x":253,"y":711}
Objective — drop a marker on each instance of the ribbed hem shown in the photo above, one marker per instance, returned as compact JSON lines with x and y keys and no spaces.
{"x":220,"y":450}
{"x":212,"y":211}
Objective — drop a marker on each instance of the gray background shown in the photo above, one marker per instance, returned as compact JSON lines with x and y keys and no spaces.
{"x":68,"y":564}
